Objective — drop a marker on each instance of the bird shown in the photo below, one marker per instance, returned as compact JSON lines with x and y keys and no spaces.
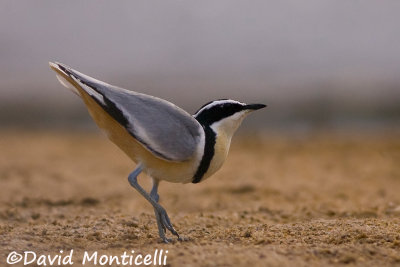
{"x":165,"y":141}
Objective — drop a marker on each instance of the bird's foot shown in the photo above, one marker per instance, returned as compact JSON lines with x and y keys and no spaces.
{"x":164,"y":223}
{"x":166,"y":240}
{"x":183,"y":239}
{"x":170,"y":240}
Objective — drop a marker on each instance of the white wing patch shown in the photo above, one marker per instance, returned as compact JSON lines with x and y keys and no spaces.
{"x":67,"y":84}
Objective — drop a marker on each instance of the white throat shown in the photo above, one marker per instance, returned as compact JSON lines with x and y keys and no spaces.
{"x":229,"y":125}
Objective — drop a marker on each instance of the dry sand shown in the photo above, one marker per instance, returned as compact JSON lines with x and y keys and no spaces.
{"x":278,"y":201}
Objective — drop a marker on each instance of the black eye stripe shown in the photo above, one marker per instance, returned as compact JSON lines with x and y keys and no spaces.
{"x":218,"y":112}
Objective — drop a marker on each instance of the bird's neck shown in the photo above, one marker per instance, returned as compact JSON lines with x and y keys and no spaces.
{"x":217,"y":142}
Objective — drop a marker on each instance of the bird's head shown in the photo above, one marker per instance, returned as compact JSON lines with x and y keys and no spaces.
{"x":225,"y":114}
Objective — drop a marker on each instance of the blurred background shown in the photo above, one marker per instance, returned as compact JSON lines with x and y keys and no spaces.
{"x":314,"y":178}
{"x":331,"y":65}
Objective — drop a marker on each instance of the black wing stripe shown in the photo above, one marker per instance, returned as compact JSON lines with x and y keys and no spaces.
{"x":117,"y":114}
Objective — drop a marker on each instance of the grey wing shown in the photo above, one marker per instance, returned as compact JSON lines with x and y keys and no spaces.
{"x":166,"y":130}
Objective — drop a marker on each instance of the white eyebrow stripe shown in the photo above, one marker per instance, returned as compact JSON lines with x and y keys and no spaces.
{"x":218,"y":102}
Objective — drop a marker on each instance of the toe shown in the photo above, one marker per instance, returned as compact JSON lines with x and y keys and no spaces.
{"x":183,"y":239}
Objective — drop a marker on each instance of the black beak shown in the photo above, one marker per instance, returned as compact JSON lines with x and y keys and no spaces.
{"x":255,"y":106}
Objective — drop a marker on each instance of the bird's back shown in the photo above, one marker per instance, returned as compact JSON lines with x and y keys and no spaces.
{"x":165,"y":139}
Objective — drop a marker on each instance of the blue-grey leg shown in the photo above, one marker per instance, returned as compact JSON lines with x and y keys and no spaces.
{"x":154,"y":195}
{"x":162,"y":216}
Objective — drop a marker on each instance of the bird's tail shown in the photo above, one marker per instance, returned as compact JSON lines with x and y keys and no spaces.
{"x":63,"y":77}
{"x":77,"y":82}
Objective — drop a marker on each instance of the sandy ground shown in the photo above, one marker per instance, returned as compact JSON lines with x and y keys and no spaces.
{"x":278,"y":201}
